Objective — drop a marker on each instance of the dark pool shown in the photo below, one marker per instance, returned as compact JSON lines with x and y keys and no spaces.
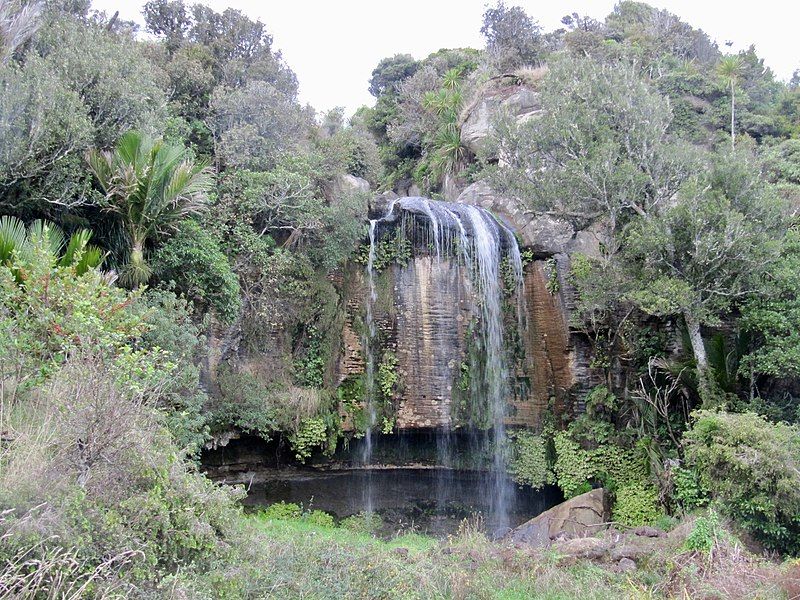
{"x":433,"y":501}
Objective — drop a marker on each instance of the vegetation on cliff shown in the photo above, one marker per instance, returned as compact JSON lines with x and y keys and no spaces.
{"x":173,"y":249}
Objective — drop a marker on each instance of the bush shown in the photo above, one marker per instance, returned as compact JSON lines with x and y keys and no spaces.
{"x":193,"y":260}
{"x":637,"y":504}
{"x":752,"y":467}
{"x":529,"y":464}
{"x":281,"y":510}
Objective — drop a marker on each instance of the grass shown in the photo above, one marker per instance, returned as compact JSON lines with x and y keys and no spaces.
{"x":306,"y":560}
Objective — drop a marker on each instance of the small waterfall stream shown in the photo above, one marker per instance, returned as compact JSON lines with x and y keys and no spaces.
{"x":478,"y":242}
{"x":369,"y":343}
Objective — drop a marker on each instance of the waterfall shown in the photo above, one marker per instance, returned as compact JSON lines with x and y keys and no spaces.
{"x":369,"y":342}
{"x":478,"y":242}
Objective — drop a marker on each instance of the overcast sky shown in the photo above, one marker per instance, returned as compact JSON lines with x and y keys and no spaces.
{"x":334,"y":45}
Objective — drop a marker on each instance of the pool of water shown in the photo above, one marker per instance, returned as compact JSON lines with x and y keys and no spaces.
{"x":434,"y":501}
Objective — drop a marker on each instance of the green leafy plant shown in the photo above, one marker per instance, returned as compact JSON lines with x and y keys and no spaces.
{"x":311,"y":433}
{"x":529,"y":463}
{"x":637,"y":504}
{"x":152,"y":186}
{"x":752,"y":469}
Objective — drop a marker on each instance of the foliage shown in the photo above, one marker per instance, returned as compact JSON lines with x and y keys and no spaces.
{"x":772,"y":316}
{"x":751,"y":468}
{"x":690,"y":492}
{"x":281,"y":510}
{"x":388,"y":251}
{"x":17,"y":242}
{"x":577,"y":467}
{"x":254,"y":124}
{"x":706,"y":533}
{"x":390,"y":73}
{"x":637,"y":504}
{"x":701,"y":255}
{"x":311,"y":433}
{"x":193,"y":260}
{"x":513,"y":39}
{"x":309,"y":370}
{"x":602,"y":138}
{"x":388,"y":377}
{"x":151,"y":186}
{"x":529,"y":463}
{"x":247,"y":403}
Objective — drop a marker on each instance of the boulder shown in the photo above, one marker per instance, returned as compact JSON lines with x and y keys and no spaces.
{"x":544,"y":234}
{"x":518,"y":101}
{"x":587,"y":547}
{"x":650,"y":532}
{"x":347,"y":184}
{"x":577,"y":517}
{"x":626,"y":565}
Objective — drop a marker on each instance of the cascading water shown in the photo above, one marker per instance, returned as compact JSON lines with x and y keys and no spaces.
{"x":478,"y":242}
{"x":369,"y":342}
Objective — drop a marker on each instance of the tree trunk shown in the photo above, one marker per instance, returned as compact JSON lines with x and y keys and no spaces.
{"x":700,"y":357}
{"x":733,"y":113}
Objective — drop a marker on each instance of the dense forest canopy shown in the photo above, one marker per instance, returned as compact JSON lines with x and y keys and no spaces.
{"x":175,"y":236}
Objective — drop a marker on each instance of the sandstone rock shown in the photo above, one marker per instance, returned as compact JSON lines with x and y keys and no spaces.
{"x":588,"y":547}
{"x":517,"y":101}
{"x":544,"y":234}
{"x":628,"y":552}
{"x":379,"y":204}
{"x":651,"y":532}
{"x":349,"y":183}
{"x":626,"y":565}
{"x":579,"y":517}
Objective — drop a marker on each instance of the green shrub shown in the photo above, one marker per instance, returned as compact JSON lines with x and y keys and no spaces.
{"x":690,"y":493}
{"x":245,"y":402}
{"x":362,"y":523}
{"x":529,"y":463}
{"x":752,"y":468}
{"x":192,"y":258}
{"x":281,"y":510}
{"x":388,"y":376}
{"x":320,"y":518}
{"x":311,"y":433}
{"x":706,"y":533}
{"x":309,"y":369}
{"x":637,"y":504}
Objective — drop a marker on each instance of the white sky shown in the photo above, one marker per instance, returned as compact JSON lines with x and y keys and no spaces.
{"x":334,"y":45}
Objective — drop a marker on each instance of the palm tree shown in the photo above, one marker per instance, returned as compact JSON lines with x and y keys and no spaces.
{"x":151,"y":185}
{"x":730,"y":69}
{"x":18,"y":245}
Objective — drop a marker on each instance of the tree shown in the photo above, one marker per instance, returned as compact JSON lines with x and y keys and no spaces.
{"x":701,"y":255}
{"x":254,"y":124}
{"x":599,"y":150}
{"x":390,"y":73}
{"x":513,"y":39}
{"x":168,"y":18}
{"x":151,"y":186}
{"x":730,"y":70}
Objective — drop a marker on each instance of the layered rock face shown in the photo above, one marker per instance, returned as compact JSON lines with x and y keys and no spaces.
{"x":426,"y":313}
